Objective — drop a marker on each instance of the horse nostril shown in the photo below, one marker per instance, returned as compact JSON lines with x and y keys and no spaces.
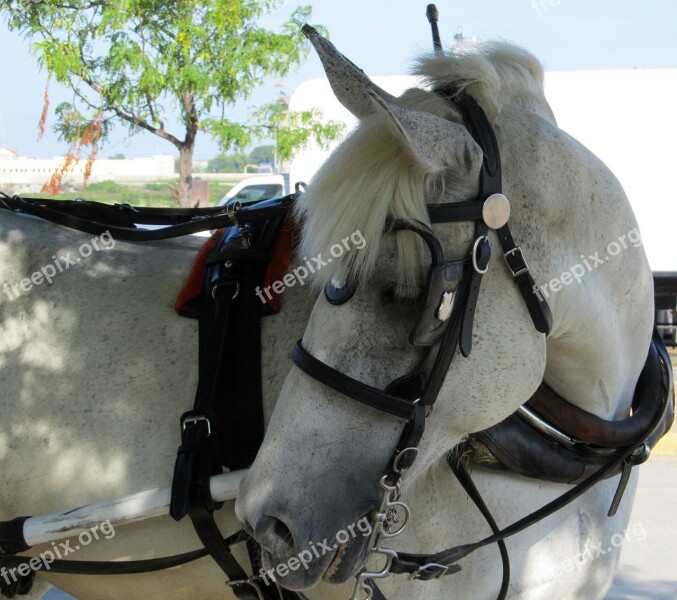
{"x":283,"y":533}
{"x":271,"y":532}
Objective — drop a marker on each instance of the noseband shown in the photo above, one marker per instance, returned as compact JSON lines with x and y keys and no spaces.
{"x":445,"y":324}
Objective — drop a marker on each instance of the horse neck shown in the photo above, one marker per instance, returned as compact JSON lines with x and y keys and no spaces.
{"x":566,"y":207}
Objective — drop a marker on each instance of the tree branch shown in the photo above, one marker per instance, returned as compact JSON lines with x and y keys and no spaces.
{"x":136,"y":121}
{"x":143,"y":125}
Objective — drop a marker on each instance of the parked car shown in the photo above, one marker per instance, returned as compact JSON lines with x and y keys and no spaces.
{"x":254,"y":189}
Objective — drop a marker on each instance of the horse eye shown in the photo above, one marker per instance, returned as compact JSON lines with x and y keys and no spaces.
{"x":339,"y":291}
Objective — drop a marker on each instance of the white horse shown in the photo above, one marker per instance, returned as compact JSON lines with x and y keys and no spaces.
{"x":317,"y":473}
{"x":96,"y":367}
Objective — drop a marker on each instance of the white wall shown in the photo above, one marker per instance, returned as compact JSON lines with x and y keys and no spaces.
{"x":20,"y":170}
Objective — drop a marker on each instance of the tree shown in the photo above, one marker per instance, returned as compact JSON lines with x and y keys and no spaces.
{"x":140,"y":62}
{"x":293,"y":130}
{"x":262,"y":154}
{"x":228,"y":163}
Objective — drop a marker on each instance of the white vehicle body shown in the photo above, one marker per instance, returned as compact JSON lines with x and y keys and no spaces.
{"x":259,"y":187}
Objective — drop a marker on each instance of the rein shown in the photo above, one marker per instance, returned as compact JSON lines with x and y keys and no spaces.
{"x":120,"y":220}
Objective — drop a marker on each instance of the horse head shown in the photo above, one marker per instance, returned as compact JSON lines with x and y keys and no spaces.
{"x":318,"y":471}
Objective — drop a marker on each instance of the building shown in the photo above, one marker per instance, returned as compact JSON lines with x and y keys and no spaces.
{"x":20,"y":173}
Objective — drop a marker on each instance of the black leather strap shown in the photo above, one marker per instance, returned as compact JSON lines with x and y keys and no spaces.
{"x":491,"y":183}
{"x":125,"y":567}
{"x":448,"y":212}
{"x":411,"y":563}
{"x":225,"y":426}
{"x":459,"y":469}
{"x":239,"y":582}
{"x":357,"y":390}
{"x":536,"y":305}
{"x":61,"y":214}
{"x":377,"y":594}
{"x":480,"y":128}
{"x":427,"y":234}
{"x":481,"y":262}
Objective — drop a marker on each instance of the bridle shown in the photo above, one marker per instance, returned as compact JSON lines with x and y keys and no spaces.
{"x":444,"y":324}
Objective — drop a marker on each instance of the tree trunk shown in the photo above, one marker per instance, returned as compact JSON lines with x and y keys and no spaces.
{"x":185,"y":176}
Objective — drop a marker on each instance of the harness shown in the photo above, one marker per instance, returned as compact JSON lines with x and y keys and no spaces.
{"x":444,"y":324}
{"x":223,"y":428}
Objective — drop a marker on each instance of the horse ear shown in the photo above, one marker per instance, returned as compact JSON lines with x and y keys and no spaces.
{"x":349,"y":83}
{"x":435,"y":142}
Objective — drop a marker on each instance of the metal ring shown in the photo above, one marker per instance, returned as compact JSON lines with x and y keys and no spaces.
{"x":233,"y":207}
{"x":396,"y":462}
{"x":235,"y":295}
{"x":388,"y":488}
{"x":474,"y":255}
{"x":407,"y":517}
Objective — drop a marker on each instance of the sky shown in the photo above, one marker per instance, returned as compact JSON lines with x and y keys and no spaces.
{"x":382,"y":37}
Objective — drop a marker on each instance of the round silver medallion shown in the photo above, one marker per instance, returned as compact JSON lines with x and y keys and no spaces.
{"x":496,"y":211}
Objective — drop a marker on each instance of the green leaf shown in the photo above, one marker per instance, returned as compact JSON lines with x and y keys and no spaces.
{"x":136,"y":61}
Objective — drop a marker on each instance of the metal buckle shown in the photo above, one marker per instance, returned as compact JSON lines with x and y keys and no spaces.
{"x":231,"y":208}
{"x":220,"y":286}
{"x":516,"y":253}
{"x":396,"y":463}
{"x":474,"y":254}
{"x":194,"y":421}
{"x":430,"y":566}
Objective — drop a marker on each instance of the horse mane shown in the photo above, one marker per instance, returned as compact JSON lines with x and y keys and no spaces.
{"x":370,"y":178}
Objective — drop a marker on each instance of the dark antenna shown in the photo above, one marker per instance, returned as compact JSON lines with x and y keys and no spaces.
{"x":433,"y":14}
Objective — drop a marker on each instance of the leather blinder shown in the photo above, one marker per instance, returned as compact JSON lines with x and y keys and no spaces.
{"x":440,"y":302}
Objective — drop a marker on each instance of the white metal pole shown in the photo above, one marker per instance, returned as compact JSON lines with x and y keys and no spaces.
{"x":120,"y":511}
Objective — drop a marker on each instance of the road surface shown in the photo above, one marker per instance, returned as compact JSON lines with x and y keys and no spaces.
{"x":647,"y":569}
